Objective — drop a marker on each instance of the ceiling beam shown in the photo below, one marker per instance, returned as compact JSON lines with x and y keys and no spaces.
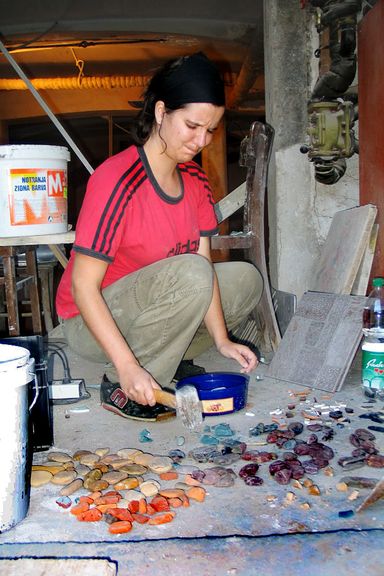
{"x":250,"y":71}
{"x":18,"y":105}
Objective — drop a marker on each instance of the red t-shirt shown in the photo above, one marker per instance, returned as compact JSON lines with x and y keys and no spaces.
{"x":128,"y":221}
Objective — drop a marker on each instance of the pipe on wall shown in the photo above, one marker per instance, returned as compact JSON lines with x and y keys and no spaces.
{"x":74,"y":82}
{"x":87,"y":82}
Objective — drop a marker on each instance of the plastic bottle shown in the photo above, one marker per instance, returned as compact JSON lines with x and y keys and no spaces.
{"x":373,"y":314}
{"x":373,"y":344}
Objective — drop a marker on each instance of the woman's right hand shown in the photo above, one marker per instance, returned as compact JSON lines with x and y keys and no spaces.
{"x":138,"y":384}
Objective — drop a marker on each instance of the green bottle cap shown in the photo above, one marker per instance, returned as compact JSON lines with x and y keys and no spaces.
{"x":378,"y":282}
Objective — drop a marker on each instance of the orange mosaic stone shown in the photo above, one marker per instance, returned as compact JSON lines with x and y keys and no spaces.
{"x":196,"y":493}
{"x":107,"y":499}
{"x":94,"y":495}
{"x":86,"y":499}
{"x":134,"y":506}
{"x":140,"y":518}
{"x":92,"y":515}
{"x":161,"y":518}
{"x":168,"y":476}
{"x":185,"y":500}
{"x":104,"y":508}
{"x":160,"y":503}
{"x":142,"y":506}
{"x":121,"y":514}
{"x":150,"y":509}
{"x":120,"y":527}
{"x":175,"y":502}
{"x":79,"y":508}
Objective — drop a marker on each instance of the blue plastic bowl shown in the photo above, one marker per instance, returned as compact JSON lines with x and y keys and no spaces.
{"x":220,"y":392}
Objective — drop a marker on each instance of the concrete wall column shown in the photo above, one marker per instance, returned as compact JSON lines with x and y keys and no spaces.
{"x":287,"y":46}
{"x":300,"y":209}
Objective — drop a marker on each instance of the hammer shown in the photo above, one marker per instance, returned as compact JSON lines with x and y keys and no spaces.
{"x":187,"y":404}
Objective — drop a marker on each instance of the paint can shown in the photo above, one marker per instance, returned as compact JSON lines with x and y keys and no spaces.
{"x":16,"y":372}
{"x":220,"y":393}
{"x":33,"y":189}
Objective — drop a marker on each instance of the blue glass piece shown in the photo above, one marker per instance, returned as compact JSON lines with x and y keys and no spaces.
{"x":289,"y":444}
{"x":222,"y":429}
{"x":270,"y":428}
{"x":346,"y":513}
{"x":144,"y":439}
{"x":64,"y":501}
{"x":206,"y":439}
{"x":176,"y":454}
{"x":232,"y":442}
{"x":257,"y":430}
{"x":145,"y":436}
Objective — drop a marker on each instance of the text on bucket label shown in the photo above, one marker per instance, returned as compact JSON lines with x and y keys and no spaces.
{"x":37,"y":196}
{"x":217,"y":406}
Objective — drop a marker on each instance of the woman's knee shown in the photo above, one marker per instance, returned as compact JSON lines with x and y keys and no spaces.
{"x":252,"y":278}
{"x":241,"y":286}
{"x":197,"y":272}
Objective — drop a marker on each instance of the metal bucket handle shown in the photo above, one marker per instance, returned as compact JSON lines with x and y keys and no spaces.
{"x":36,"y":386}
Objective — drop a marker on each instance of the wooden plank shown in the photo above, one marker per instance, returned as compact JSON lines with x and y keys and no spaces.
{"x":232,"y":241}
{"x":231,"y":203}
{"x":31,"y":270}
{"x":320,"y":342}
{"x":257,"y":156}
{"x":59,"y":254}
{"x":61,"y":238}
{"x":360,"y":284}
{"x":51,"y":240}
{"x":343,"y":250}
{"x":214,"y":163}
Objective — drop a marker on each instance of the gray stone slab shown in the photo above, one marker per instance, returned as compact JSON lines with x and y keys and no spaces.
{"x":320,"y":342}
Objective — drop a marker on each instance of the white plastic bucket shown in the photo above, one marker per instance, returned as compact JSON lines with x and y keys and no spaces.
{"x":16,"y":372}
{"x":33,"y":189}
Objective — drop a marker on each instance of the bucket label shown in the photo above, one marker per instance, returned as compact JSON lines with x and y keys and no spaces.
{"x":373,"y":369}
{"x":37,"y":196}
{"x":217,"y":406}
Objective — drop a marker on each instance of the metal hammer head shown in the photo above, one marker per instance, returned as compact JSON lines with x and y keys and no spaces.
{"x":188,"y":407}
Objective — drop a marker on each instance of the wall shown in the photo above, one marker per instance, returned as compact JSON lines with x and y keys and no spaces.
{"x":371,"y":89}
{"x":300,"y":209}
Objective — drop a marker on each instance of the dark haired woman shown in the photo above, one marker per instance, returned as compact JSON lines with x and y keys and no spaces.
{"x":140,"y":291}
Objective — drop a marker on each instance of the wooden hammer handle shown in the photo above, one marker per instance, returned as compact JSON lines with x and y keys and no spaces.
{"x":165,"y":398}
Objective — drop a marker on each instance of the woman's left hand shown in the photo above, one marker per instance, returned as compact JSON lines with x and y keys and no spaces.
{"x":244,"y":355}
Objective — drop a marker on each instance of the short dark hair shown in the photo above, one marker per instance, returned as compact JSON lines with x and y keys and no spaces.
{"x":181,"y":81}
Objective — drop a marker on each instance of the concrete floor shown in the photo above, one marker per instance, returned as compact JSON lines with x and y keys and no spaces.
{"x":239,"y":530}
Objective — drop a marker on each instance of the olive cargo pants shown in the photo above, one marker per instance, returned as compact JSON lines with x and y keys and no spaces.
{"x":160,"y":310}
